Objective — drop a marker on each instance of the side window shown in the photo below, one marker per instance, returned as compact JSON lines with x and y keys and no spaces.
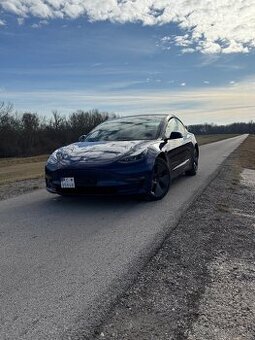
{"x":180,"y":127}
{"x":176,"y":126}
{"x":170,"y":127}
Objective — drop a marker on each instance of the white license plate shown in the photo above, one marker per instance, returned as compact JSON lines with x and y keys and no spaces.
{"x":67,"y":183}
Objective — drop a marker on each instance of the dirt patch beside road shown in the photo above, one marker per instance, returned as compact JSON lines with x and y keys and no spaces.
{"x":21,"y":175}
{"x":20,"y":187}
{"x":201,"y":283}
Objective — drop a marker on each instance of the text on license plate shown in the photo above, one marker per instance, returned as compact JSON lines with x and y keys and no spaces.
{"x":67,"y":183}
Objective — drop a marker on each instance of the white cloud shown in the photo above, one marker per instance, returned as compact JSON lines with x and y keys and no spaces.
{"x":21,"y":21}
{"x":182,"y":40}
{"x":183,"y":84}
{"x":209,"y":26}
{"x":188,"y":50}
{"x":209,"y":47}
{"x":40,"y":24}
{"x":235,"y":47}
{"x":232,"y":82}
{"x":2,"y":23}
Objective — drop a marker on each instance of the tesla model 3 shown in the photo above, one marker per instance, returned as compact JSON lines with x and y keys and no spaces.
{"x":131,"y":155}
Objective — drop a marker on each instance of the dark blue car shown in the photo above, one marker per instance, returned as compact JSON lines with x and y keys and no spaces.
{"x":131,"y":155}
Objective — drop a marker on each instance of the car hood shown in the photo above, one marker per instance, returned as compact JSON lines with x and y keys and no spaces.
{"x":101,"y":152}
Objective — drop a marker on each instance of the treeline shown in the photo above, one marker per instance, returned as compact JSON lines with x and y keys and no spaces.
{"x":211,"y":129}
{"x":28,"y":134}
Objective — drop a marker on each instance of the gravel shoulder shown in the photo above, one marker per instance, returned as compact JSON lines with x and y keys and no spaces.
{"x":20,"y":187}
{"x":201,"y":283}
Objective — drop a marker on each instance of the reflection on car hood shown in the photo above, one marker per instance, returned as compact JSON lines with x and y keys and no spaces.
{"x":98,"y":152}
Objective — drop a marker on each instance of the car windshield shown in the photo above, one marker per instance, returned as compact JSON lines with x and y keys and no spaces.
{"x":140,"y":128}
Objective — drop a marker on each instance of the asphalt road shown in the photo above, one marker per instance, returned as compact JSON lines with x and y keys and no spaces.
{"x":64,"y":260}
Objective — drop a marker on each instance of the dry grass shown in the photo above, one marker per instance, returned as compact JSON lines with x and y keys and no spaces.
{"x":19,"y":169}
{"x":206,"y":139}
{"x":21,"y":172}
{"x":22,"y":160}
{"x":242,"y":158}
{"x":245,"y":154}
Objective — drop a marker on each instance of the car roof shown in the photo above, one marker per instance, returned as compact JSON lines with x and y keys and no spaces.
{"x":148,"y":116}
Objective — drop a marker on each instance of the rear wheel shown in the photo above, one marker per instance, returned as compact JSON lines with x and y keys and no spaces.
{"x":194,"y":164}
{"x":160,"y":181}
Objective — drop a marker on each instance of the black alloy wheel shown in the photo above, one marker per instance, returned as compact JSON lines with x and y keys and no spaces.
{"x":160,"y":181}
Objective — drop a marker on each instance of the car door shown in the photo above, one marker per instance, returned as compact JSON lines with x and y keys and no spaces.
{"x":187,"y":146}
{"x":174,"y":147}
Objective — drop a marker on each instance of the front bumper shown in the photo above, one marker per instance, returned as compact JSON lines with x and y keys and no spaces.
{"x":121,"y":180}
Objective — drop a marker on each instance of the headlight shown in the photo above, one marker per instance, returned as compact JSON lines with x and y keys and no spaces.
{"x":53,"y":158}
{"x":134,"y":157}
{"x":60,"y":155}
{"x":57,"y":156}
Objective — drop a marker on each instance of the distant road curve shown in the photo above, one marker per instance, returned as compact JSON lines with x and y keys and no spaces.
{"x":64,"y":260}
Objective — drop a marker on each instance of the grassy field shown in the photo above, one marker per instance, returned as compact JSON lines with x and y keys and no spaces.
{"x":18,"y":169}
{"x":213,"y":138}
{"x":246,"y":153}
{"x":22,"y":160}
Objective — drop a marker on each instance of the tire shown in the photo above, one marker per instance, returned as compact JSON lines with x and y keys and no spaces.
{"x":160,"y":181}
{"x":194,"y":168}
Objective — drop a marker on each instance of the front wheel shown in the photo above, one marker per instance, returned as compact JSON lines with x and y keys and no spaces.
{"x":160,"y":181}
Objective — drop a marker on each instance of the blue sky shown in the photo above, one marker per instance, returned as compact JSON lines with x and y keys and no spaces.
{"x":84,"y":61}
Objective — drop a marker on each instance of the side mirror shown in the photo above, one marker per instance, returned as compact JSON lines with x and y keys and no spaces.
{"x":82,"y":138}
{"x":176,"y":135}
